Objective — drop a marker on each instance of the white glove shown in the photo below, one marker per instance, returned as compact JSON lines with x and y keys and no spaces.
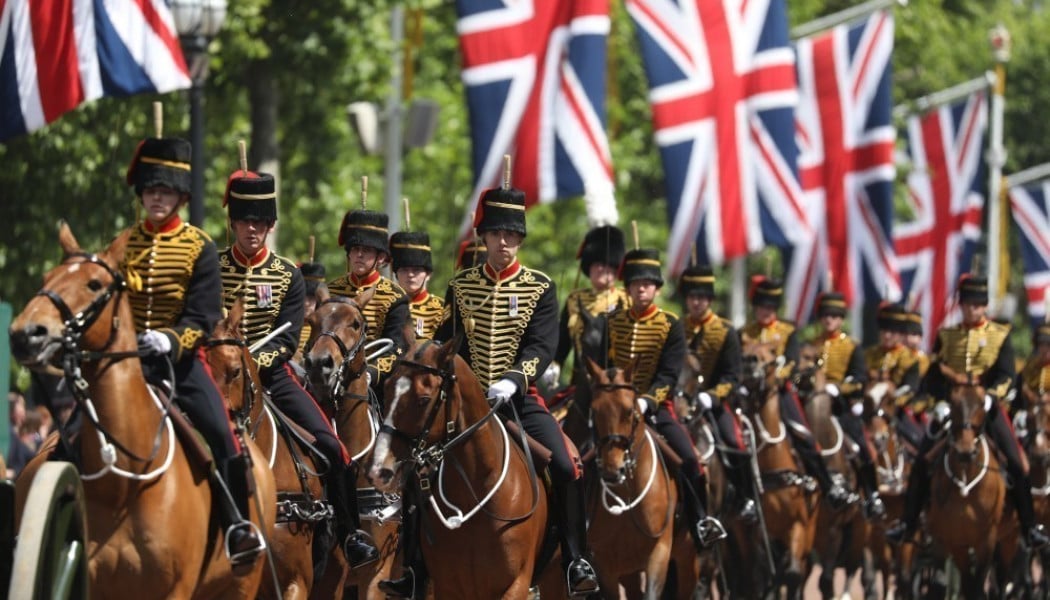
{"x":832,"y":390}
{"x":988,"y":402}
{"x":705,"y":400}
{"x":1021,"y":423}
{"x":368,"y":379}
{"x":942,"y":411}
{"x":643,"y":405}
{"x":152,"y":342}
{"x":857,"y":408}
{"x":501,"y":391}
{"x":551,"y":376}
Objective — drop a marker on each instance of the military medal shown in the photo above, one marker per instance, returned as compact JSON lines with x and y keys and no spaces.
{"x":264,"y":296}
{"x":419,"y":325}
{"x":513,"y":306}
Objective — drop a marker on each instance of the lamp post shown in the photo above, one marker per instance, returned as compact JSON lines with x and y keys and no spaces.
{"x":198,"y":22}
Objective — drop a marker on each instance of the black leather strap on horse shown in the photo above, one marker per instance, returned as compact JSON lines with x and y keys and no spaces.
{"x":295,"y":431}
{"x":192,"y":444}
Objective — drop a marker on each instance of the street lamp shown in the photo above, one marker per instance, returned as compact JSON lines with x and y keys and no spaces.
{"x":198,"y":22}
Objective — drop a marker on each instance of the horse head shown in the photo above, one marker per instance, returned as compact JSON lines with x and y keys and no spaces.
{"x":1039,"y":430}
{"x":232,"y":366}
{"x":334,"y":356}
{"x":690,"y":380}
{"x":810,"y":376}
{"x":967,"y":420}
{"x":430,"y":394}
{"x":759,"y":376}
{"x":594,"y":338}
{"x":76,"y":309}
{"x":617,"y":422}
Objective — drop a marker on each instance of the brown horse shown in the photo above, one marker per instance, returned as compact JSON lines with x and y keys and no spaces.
{"x":484,"y":512}
{"x":148,"y":503}
{"x":632,"y":528}
{"x":1037,"y":446}
{"x":788,"y":506}
{"x":335,"y":365}
{"x":967,"y":492}
{"x":299,"y":488}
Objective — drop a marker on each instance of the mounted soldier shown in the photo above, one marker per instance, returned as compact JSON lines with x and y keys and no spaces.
{"x":653,"y":340}
{"x":913,"y":340}
{"x":175,"y":291}
{"x":509,"y":316}
{"x":363,"y":234}
{"x":1034,"y":379}
{"x":412,"y":266}
{"x":846,"y":375}
{"x":274,"y":293}
{"x":717,"y":343}
{"x":976,"y":351}
{"x":766,"y":328}
{"x":600,"y":255}
{"x":891,"y":360}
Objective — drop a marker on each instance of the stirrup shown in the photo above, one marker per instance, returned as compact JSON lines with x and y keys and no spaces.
{"x":1037,"y":538}
{"x":586,"y":581}
{"x":396,"y":587}
{"x":874,"y":507}
{"x":898,"y":533}
{"x":709,"y":530}
{"x":369,"y":551}
{"x":748,"y":511}
{"x":248,"y":555}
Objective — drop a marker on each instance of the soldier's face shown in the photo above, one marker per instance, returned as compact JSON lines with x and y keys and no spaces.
{"x":363,"y":260}
{"x":889,"y":339}
{"x":502,"y":246}
{"x":831,"y":323}
{"x":412,"y":279}
{"x":765,"y":314}
{"x":1043,"y":351}
{"x":642,"y":292}
{"x":972,"y":313}
{"x":602,"y":276}
{"x":696,"y":305}
{"x":250,"y":235}
{"x":160,"y":203}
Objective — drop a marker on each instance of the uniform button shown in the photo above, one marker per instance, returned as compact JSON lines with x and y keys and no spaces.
{"x":151,"y":261}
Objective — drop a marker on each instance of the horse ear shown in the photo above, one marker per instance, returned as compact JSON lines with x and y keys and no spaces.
{"x":362,"y":299}
{"x":233,"y":320}
{"x":66,"y":239}
{"x":450,"y":348}
{"x":593,"y":369}
{"x":115,"y":251}
{"x":322,"y":294}
{"x":408,"y":333}
{"x":628,"y":373}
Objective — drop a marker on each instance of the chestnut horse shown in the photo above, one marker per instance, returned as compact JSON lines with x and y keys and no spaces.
{"x":1037,"y":446}
{"x":632,"y":528}
{"x":484,"y":511}
{"x":299,"y":488}
{"x":148,"y":504}
{"x":967,"y":492}
{"x":334,"y":360}
{"x":788,"y":507}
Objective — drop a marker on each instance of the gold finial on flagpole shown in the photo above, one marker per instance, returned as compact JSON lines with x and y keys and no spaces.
{"x":506,"y":171}
{"x":769,"y":265}
{"x":692,"y":255}
{"x":312,"y":244}
{"x":158,"y":119}
{"x":364,"y":191}
{"x":634,"y":230}
{"x":242,"y":153}
{"x":975,"y":267}
{"x":408,"y":216}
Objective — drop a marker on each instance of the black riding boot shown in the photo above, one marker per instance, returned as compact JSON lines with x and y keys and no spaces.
{"x":342,"y":493}
{"x":873,"y":505}
{"x":914,"y":499}
{"x":413,"y":581}
{"x":837,"y":495}
{"x":230,"y":485}
{"x":570,"y":513}
{"x":1022,"y":496}
{"x":739,"y":474}
{"x":706,"y":530}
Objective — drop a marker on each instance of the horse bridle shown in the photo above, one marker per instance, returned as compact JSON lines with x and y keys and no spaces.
{"x":249,"y":391}
{"x":616,"y":440}
{"x":342,"y":374}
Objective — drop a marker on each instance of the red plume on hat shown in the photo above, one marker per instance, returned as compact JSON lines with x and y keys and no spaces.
{"x":342,"y":228}
{"x":130,"y":176}
{"x":238,"y":174}
{"x":480,"y":210}
{"x":756,"y":280}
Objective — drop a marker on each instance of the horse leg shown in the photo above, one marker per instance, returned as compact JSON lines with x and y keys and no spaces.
{"x":656,"y":569}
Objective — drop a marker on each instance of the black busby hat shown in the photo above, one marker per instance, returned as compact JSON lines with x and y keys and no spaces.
{"x":697,"y":280}
{"x":641,"y":264}
{"x":501,"y":208}
{"x":1042,"y":334}
{"x":972,"y":289}
{"x":366,"y":228}
{"x":766,"y":291}
{"x":893,"y":317}
{"x":471,"y":254}
{"x":914,"y":323}
{"x":411,"y":249}
{"x":603,"y":245}
{"x":161,"y":162}
{"x":831,"y":304}
{"x":251,"y":196}
{"x":313,"y":276}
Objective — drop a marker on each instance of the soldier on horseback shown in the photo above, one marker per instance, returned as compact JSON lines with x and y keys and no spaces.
{"x":1034,"y":379}
{"x":844,"y":370}
{"x":600,"y":255}
{"x":891,"y":360}
{"x":654,"y":339}
{"x":717,"y":343}
{"x":976,"y":351}
{"x":766,"y":297}
{"x":509,"y":315}
{"x":175,"y":291}
{"x":274,"y":294}
{"x":363,"y":234}
{"x":412,"y":265}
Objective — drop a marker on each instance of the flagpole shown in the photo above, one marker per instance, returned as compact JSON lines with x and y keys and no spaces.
{"x":738,"y":284}
{"x":998,"y":259}
{"x":946,"y":96}
{"x":844,"y":16}
{"x":1028,"y":175}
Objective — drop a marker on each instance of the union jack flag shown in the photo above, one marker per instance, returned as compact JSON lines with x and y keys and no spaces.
{"x":1030,"y":205}
{"x":58,"y":54}
{"x":945,"y":185}
{"x":534,"y":73}
{"x":846,"y":143}
{"x":722,"y":89}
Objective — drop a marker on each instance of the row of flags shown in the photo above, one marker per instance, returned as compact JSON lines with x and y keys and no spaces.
{"x":764,"y":142}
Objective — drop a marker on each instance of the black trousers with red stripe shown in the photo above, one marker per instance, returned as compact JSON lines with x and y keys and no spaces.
{"x":300,"y":406}
{"x":539,"y":424}
{"x":677,"y":436}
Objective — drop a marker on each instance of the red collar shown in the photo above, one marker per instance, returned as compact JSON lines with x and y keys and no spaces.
{"x":707,"y":317}
{"x":652,"y":310}
{"x":420,"y":296}
{"x":977,"y":325}
{"x":365,"y":281}
{"x":255,"y":261}
{"x":505,"y":274}
{"x":168,"y":226}
{"x":832,"y":336}
{"x":772,"y":323}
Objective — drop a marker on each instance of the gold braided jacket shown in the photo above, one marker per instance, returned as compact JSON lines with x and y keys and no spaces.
{"x":595,"y":303}
{"x":1035,"y":376}
{"x":776,"y":334}
{"x":975,"y":350}
{"x":836,"y":352}
{"x":427,"y":312}
{"x":387,"y":295}
{"x":643,"y":337}
{"x":264,"y":287}
{"x":707,"y":336}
